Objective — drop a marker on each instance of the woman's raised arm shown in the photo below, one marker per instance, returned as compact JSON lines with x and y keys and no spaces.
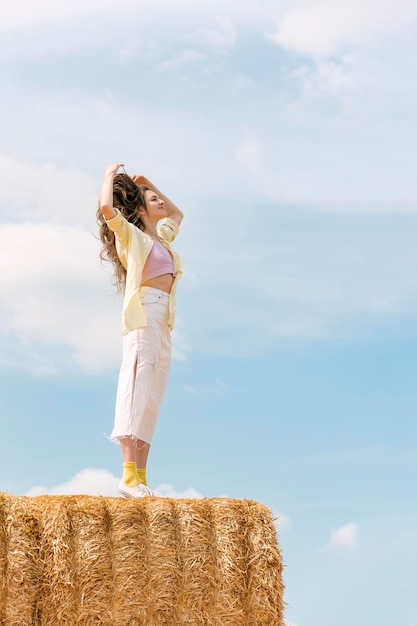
{"x":106,"y":193}
{"x":172,"y":210}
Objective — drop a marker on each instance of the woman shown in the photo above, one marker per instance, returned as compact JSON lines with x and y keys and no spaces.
{"x":147,"y":270}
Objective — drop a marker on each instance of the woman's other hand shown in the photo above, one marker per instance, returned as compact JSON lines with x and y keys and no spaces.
{"x":111,"y":170}
{"x":140,"y":179}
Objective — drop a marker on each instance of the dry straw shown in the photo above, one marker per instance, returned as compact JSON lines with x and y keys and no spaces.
{"x":81,"y":560}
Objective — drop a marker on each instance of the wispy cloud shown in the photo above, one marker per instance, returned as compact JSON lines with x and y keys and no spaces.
{"x":345,"y":537}
{"x":185,"y":58}
{"x":100,"y":482}
{"x":283,"y":522}
{"x":46,"y":192}
{"x":322,"y":28}
{"x":218,"y":387}
{"x":168,"y":491}
{"x":24,"y":12}
{"x":249,"y":153}
{"x":221,"y":34}
{"x":90,"y":481}
{"x":50,"y":298}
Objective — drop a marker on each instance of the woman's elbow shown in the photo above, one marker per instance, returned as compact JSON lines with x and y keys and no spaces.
{"x":107,"y":210}
{"x":177,"y":217}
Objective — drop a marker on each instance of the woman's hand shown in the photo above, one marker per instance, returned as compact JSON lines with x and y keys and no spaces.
{"x":140,"y":179}
{"x":112,"y":169}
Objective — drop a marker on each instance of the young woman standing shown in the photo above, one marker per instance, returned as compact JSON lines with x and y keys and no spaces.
{"x":146,"y":270}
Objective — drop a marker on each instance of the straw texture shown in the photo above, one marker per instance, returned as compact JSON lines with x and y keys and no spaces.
{"x":82,"y":560}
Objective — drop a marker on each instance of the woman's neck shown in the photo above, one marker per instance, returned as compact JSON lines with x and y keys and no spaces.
{"x":153,"y":234}
{"x":150,"y":228}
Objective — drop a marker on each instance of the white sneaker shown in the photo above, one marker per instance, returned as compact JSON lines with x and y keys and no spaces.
{"x":138,"y":491}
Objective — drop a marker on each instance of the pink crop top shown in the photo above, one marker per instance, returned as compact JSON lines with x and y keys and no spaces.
{"x":159,"y":262}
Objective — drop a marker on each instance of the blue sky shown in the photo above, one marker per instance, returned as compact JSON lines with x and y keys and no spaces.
{"x":286,"y":132}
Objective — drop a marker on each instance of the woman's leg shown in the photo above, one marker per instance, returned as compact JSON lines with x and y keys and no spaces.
{"x":135,"y":451}
{"x":130,"y":474}
{"x":135,"y":455}
{"x":128,"y":447}
{"x":142,"y":451}
{"x":133,"y":483}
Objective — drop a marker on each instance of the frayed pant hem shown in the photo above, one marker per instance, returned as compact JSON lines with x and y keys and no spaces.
{"x":138,"y":442}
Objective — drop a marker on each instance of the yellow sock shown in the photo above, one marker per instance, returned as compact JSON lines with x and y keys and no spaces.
{"x":141,"y":475}
{"x":129,"y":474}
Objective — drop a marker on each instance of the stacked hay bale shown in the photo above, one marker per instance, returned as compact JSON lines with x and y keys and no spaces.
{"x":85,"y":560}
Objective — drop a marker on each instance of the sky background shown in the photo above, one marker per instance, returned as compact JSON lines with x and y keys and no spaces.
{"x":287,"y":133}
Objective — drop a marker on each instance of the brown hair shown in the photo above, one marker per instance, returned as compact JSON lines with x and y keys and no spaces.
{"x":128,"y":198}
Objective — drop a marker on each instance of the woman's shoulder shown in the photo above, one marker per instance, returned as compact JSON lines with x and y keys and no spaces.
{"x":125,"y":230}
{"x":168,"y":229}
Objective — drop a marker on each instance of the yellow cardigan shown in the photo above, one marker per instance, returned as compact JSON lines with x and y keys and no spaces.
{"x":133,"y":247}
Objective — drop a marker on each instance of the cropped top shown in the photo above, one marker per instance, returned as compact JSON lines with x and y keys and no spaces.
{"x":158,"y":262}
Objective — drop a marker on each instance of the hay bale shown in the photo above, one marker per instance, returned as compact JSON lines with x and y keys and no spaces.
{"x":81,"y":560}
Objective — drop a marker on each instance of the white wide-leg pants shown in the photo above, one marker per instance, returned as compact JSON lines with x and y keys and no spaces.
{"x":144,"y":371}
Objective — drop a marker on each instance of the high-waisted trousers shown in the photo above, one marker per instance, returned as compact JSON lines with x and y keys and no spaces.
{"x":144,"y":371}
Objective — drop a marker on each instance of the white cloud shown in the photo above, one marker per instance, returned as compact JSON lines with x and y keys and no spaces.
{"x":100,"y":482}
{"x":180,"y":345}
{"x":46,"y":192}
{"x":344,"y":537}
{"x":166,"y":490}
{"x":221,"y":34}
{"x":186,"y":57}
{"x":322,"y":28}
{"x":218,"y":387}
{"x":23,"y":12}
{"x":307,"y":26}
{"x":282,"y":522}
{"x":54,"y":302}
{"x":90,"y":481}
{"x":249,"y":153}
{"x":328,"y":77}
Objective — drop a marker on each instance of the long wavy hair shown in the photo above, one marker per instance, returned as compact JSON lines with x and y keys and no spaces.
{"x":128,"y":198}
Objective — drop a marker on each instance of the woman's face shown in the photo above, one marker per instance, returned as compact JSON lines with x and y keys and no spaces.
{"x":154,"y":205}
